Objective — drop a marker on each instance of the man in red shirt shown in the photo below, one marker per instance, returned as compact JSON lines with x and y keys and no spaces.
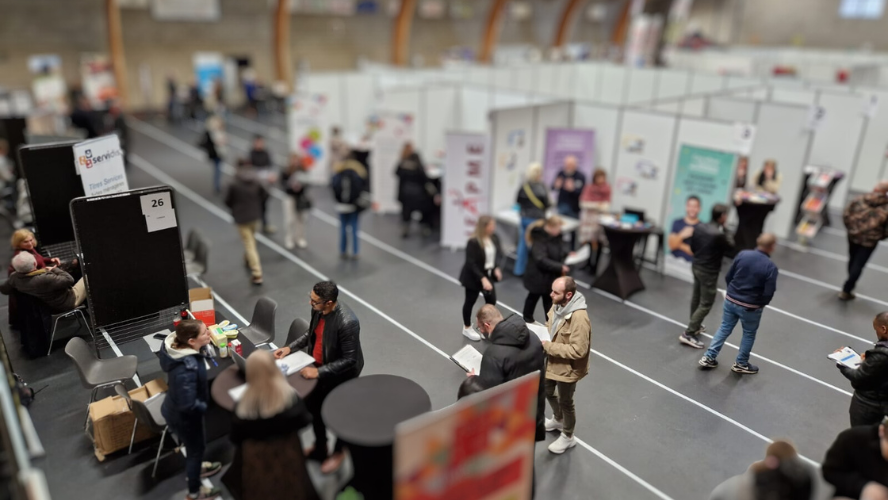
{"x":333,"y":339}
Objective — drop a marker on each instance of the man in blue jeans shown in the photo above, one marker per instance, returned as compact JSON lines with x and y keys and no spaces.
{"x":752,"y":280}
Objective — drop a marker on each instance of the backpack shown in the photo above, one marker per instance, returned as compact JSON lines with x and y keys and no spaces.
{"x":349,"y":188}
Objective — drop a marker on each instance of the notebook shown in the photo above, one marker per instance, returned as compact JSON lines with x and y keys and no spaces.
{"x":468,"y":358}
{"x":846,"y":356}
{"x":295,"y":362}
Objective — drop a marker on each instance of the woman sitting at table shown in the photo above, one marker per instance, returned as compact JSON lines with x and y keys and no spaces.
{"x":594,"y":201}
{"x":767,"y":179}
{"x":266,"y":426}
{"x":547,"y":254}
{"x":24,"y":241}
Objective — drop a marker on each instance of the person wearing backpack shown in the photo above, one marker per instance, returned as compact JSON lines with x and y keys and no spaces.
{"x":865,"y":219}
{"x":352,"y":197}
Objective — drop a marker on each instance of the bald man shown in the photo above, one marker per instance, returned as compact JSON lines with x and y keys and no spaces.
{"x":870,"y":380}
{"x":752,"y":281}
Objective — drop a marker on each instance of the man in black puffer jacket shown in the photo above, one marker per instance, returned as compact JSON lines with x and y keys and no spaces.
{"x":870,"y":380}
{"x":514,"y":352}
{"x":334,"y":340}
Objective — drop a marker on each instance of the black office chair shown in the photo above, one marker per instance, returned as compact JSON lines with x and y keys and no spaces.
{"x":297,"y":328}
{"x":261,"y":328}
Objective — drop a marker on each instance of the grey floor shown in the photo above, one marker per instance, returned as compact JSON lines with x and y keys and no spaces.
{"x":651,"y":424}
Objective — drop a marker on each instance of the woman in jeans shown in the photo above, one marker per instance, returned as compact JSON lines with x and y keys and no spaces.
{"x":480,"y":271}
{"x":533,"y":200}
{"x":183,"y":358}
{"x":546,"y":264}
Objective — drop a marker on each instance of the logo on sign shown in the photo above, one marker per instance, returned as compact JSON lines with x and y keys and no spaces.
{"x":87,"y":160}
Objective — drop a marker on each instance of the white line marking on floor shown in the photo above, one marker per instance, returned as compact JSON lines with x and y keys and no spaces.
{"x":844,"y":234}
{"x":802,"y":277}
{"x":828,"y":255}
{"x":187,"y":192}
{"x":119,"y":354}
{"x":141,"y":163}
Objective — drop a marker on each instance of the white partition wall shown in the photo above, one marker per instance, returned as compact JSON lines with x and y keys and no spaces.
{"x":837,"y":139}
{"x":587,"y":85}
{"x":645,"y":144}
{"x":793,"y":96}
{"x":731,"y":109}
{"x":546,"y":79}
{"x":781,"y":136}
{"x":548,"y":116}
{"x":871,"y":159}
{"x":605,"y":121}
{"x":673,"y":83}
{"x":642,"y":85}
{"x":474,"y":104}
{"x":613,"y":84}
{"x":702,"y":83}
{"x":441,"y":115}
{"x":358,"y":98}
{"x":512,"y":131}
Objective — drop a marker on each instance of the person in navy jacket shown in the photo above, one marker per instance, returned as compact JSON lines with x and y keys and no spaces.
{"x":752,"y":281}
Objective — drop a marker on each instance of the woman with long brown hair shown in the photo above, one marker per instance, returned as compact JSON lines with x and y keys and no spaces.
{"x":547,"y":254}
{"x":481,"y":270}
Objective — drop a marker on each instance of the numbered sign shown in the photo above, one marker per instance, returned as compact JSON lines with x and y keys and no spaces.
{"x":744,"y":135}
{"x":158,"y":211}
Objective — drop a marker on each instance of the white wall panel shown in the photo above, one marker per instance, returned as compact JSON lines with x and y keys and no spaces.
{"x":870,"y":162}
{"x":604,"y":120}
{"x":512,"y":132}
{"x":735,"y":110}
{"x":642,"y":84}
{"x":613,"y":84}
{"x":474,"y":104}
{"x":672,"y":83}
{"x":793,"y":96}
{"x":587,"y":85}
{"x":837,"y":138}
{"x":702,"y":83}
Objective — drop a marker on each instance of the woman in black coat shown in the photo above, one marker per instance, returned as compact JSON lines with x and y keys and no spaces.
{"x":481,"y":270}
{"x":547,"y":254}
{"x":415,"y":189}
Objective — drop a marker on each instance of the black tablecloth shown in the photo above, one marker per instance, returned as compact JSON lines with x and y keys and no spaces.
{"x":363,"y":413}
{"x":621,"y":276}
{"x":750,"y":221}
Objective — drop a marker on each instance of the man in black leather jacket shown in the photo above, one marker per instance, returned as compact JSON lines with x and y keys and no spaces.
{"x":710,"y":243}
{"x":869,"y":404}
{"x":333,"y":339}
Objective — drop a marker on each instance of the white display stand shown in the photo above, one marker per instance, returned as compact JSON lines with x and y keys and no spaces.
{"x":466,"y":186}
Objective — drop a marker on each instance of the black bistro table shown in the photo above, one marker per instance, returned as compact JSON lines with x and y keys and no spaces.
{"x":751,"y":215}
{"x":363,"y":413}
{"x":621,"y":277}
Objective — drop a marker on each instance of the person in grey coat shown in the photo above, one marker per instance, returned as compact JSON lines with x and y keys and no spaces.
{"x":246,"y":197}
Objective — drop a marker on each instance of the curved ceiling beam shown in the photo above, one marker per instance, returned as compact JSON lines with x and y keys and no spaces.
{"x":281,"y":49}
{"x":618,"y":35}
{"x":491,"y":31}
{"x":401,"y":35}
{"x":567,"y":16}
{"x":115,"y":44}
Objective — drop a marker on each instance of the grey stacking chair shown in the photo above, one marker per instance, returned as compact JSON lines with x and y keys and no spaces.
{"x":149,"y":414}
{"x":297,"y":328}
{"x":199,"y":265}
{"x":261,"y":328}
{"x":77,"y":312}
{"x":191,"y":244}
{"x":98,"y":373}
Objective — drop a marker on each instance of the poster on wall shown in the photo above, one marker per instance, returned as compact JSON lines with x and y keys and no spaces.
{"x":508,"y":161}
{"x":48,"y":88}
{"x":99,"y":162}
{"x":97,"y":78}
{"x":703,"y":177}
{"x":564,"y":142}
{"x":391,"y":130}
{"x":479,"y":448}
{"x":466,"y":187}
{"x":209,"y":67}
{"x":307,"y":133}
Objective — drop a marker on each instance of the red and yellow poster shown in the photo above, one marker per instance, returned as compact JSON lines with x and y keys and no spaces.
{"x":478,"y":449}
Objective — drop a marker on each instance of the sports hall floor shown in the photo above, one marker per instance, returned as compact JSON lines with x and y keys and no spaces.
{"x":651,"y":424}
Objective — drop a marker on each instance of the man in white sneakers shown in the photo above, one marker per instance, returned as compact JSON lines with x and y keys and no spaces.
{"x":568,"y":362}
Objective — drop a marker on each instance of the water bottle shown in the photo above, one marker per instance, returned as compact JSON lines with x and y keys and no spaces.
{"x":223,"y":350}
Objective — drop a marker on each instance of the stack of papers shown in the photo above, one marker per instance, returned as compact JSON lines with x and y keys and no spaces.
{"x":295,"y":362}
{"x":581,"y":256}
{"x":468,"y":358}
{"x":541,"y":331}
{"x":846,"y":356}
{"x":237,"y":393}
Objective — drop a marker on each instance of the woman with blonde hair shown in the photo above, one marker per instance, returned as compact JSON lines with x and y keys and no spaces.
{"x":23,"y":240}
{"x":547,"y":254}
{"x":767,"y":179}
{"x":265,"y":428}
{"x":481,"y":270}
{"x":533,"y":200}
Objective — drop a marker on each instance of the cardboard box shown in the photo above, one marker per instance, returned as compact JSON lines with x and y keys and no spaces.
{"x":202,"y":305}
{"x":113,"y":421}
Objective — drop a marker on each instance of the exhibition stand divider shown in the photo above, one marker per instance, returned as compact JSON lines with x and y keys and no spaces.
{"x":466,"y":186}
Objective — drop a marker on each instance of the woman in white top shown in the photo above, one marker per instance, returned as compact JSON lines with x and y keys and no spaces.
{"x":481,"y":270}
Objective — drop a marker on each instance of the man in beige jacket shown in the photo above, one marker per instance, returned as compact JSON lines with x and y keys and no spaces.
{"x":568,"y":353}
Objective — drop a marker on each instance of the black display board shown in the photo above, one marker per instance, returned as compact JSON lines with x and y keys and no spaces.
{"x":13,"y":130}
{"x":52,"y":182}
{"x":130,"y":272}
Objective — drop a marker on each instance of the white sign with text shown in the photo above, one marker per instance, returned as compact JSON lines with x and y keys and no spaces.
{"x":466,"y":187}
{"x":99,"y":162}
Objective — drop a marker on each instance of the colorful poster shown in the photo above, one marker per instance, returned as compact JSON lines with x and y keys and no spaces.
{"x":307,"y":132}
{"x":99,"y":162}
{"x":391,"y":131}
{"x":480,"y":448}
{"x":564,"y":142}
{"x":97,"y":77}
{"x":466,"y":186}
{"x":703,"y":177}
{"x":208,"y":69}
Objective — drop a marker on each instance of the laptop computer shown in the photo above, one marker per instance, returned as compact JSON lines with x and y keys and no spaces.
{"x":637,"y":215}
{"x":239,"y":361}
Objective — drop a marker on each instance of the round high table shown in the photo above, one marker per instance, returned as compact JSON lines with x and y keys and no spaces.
{"x":751,"y":221}
{"x":621,"y":276}
{"x":363,"y":413}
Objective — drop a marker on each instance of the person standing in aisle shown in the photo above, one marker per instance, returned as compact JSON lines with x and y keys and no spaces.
{"x":414,"y":189}
{"x":183,"y":358}
{"x":296,"y":185}
{"x":568,"y":353}
{"x":261,"y":160}
{"x":594,"y":201}
{"x":710,"y":243}
{"x":547,"y":254}
{"x":569,"y":184}
{"x":214,"y":142}
{"x":334,"y":340}
{"x":866,"y":219}
{"x":752,"y":281}
{"x":869,"y":404}
{"x":350,"y":190}
{"x":480,"y":271}
{"x":533,"y":200}
{"x":245,"y":198}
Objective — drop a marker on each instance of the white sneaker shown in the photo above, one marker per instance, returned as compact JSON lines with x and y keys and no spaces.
{"x":554,"y":425}
{"x":288,"y":244}
{"x":471,"y":334}
{"x":562,"y":444}
{"x":302,"y":243}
